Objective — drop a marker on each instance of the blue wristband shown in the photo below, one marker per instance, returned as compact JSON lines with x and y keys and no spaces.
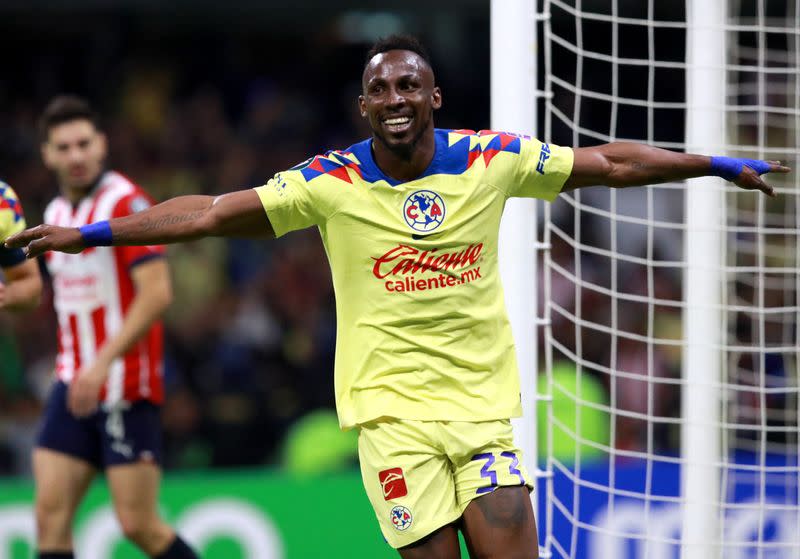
{"x":97,"y":234}
{"x":731,"y":167}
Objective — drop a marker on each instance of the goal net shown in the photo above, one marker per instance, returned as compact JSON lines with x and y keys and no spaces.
{"x":669,"y":378}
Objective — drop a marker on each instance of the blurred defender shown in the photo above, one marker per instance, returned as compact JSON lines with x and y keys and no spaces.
{"x":20,"y":283}
{"x":425,"y":365}
{"x":108,"y":302}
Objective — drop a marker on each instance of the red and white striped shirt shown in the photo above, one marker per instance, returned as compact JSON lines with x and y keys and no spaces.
{"x":93,"y":291}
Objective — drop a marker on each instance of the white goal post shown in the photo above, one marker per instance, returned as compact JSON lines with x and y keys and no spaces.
{"x":669,"y":313}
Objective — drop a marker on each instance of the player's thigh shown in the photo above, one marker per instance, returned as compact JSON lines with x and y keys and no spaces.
{"x":441,"y":544}
{"x":493,"y":490}
{"x":408,"y":480}
{"x":501,"y":524}
{"x":60,"y":483}
{"x":65,"y":458}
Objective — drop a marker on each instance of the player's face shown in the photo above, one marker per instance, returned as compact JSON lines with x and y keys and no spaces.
{"x":75,"y":151}
{"x":399,"y":97}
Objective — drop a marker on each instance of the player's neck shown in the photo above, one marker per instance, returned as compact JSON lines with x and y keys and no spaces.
{"x":405,"y":164}
{"x":77,"y":193}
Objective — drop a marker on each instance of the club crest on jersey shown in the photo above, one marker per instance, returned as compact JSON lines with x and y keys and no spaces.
{"x":424,"y":211}
{"x":401,"y":518}
{"x":393,"y":483}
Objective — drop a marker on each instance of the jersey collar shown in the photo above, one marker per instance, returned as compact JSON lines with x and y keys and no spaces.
{"x":372,"y":173}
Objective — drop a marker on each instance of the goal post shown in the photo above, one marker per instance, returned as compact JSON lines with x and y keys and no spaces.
{"x":702,"y":336}
{"x":669,"y":313}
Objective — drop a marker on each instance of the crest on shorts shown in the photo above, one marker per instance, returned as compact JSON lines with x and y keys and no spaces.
{"x":401,"y":518}
{"x":393,"y":483}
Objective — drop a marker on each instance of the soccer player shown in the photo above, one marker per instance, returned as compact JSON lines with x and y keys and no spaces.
{"x":20,"y":283}
{"x":425,"y":365}
{"x":103,"y":409}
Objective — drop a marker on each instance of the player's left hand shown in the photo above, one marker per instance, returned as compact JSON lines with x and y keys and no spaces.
{"x":84,"y":391}
{"x":750,"y":176}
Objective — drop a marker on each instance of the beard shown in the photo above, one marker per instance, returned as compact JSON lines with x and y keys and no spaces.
{"x":405,"y":150}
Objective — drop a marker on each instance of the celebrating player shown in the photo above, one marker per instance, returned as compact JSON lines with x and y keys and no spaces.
{"x":425,"y":364}
{"x":21,"y":286}
{"x":108,"y":302}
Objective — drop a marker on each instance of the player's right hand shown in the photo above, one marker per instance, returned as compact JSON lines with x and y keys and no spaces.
{"x":43,"y":238}
{"x":84,"y":391}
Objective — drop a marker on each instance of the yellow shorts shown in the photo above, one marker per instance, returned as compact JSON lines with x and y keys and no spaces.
{"x":421,"y":475}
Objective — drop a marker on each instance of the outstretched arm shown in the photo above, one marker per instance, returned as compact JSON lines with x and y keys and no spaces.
{"x":238,"y":214}
{"x":622,"y":164}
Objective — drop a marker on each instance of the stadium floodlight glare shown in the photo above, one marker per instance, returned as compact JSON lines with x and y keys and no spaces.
{"x":681,"y":301}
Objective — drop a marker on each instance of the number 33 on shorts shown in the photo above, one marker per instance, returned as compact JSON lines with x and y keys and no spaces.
{"x":489,"y":470}
{"x":490,"y":475}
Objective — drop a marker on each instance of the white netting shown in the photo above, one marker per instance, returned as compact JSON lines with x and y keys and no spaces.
{"x":614,"y":287}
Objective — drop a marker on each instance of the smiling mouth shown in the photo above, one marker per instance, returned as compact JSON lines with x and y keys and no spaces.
{"x":397,"y":123}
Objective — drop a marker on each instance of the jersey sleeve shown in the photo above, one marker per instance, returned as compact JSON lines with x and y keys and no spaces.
{"x":289,"y":203}
{"x":12,"y":221}
{"x":540,"y":171}
{"x":133,"y":255}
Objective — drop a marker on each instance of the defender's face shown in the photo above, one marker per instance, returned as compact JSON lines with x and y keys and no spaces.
{"x":399,"y":98}
{"x":75,"y":152}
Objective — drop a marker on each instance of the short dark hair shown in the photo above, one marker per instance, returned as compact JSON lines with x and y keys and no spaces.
{"x":398,"y":42}
{"x":65,"y":108}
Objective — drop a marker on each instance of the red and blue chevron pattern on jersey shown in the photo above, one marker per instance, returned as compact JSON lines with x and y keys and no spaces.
{"x":456,"y":152}
{"x":486,"y":143}
{"x":333,"y":163}
{"x":9,"y":201}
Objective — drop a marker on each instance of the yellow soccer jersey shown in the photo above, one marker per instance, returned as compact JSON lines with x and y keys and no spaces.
{"x":422,"y":329}
{"x":11,"y":221}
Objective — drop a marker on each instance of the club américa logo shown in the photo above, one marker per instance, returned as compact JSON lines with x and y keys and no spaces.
{"x":401,"y":518}
{"x":424,"y":211}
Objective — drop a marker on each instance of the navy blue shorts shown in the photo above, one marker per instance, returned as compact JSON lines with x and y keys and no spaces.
{"x":104,"y":438}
